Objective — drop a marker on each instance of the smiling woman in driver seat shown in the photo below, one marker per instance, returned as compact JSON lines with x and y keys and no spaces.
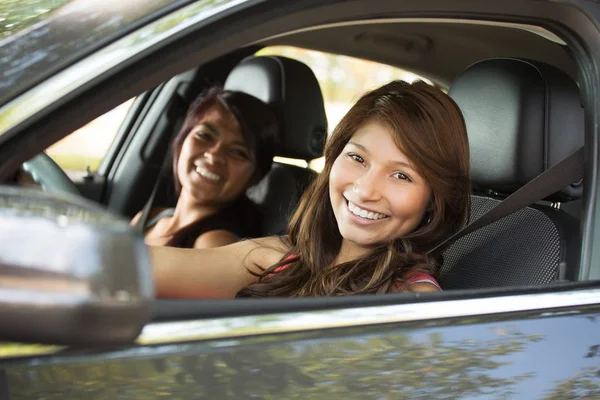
{"x":395,"y":184}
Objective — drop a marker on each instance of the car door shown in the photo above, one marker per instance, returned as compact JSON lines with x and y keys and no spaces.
{"x":435,"y":349}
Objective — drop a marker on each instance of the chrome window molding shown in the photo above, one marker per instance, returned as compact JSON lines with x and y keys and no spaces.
{"x":546,"y":304}
{"x":70,"y":79}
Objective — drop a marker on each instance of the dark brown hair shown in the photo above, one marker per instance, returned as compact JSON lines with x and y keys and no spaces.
{"x":430,"y":129}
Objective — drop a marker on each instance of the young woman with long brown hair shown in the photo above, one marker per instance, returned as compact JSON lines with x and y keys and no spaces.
{"x":395,"y":184}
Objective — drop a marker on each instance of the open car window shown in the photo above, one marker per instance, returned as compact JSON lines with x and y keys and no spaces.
{"x":85,"y":149}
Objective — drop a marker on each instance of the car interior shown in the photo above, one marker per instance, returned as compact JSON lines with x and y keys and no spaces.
{"x":517,"y":88}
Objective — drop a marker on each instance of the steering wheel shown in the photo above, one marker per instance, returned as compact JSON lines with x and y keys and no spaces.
{"x":46,"y":173}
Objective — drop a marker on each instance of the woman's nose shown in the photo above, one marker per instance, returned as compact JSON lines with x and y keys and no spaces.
{"x":367,"y":187}
{"x":215,"y":155}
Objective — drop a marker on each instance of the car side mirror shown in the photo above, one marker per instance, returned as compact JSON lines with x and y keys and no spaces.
{"x":70,"y":272}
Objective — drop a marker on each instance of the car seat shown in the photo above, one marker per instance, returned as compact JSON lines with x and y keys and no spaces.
{"x":522,"y":117}
{"x":293,"y":90}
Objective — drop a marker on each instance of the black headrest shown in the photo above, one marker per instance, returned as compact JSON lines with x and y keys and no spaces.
{"x":292,"y":89}
{"x":522,"y":117}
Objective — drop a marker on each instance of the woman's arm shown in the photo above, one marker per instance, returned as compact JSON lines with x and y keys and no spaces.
{"x":216,"y":238}
{"x":215,"y":273}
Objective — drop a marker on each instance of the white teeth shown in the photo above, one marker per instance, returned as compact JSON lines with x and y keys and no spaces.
{"x":207,"y":174}
{"x":354,"y":209}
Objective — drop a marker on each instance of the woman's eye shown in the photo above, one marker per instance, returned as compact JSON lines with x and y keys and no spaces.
{"x":356,"y":157}
{"x":204,"y":136}
{"x":241,"y":154}
{"x":401,"y":176}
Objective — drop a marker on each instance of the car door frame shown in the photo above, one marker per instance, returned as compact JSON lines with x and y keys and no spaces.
{"x":254,"y":20}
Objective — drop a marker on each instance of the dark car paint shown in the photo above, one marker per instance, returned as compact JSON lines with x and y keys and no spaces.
{"x":546,"y":354}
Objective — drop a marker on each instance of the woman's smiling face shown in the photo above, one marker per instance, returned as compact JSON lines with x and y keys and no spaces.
{"x":214,"y":164}
{"x":376,"y":193}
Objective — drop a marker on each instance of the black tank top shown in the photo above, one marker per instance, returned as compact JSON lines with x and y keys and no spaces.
{"x":242,"y":218}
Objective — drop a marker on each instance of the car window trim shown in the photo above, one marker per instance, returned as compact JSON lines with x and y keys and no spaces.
{"x":543,"y":304}
{"x":245,"y":319}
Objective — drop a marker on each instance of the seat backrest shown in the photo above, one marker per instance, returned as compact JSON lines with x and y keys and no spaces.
{"x":292,"y":89}
{"x":522,"y":117}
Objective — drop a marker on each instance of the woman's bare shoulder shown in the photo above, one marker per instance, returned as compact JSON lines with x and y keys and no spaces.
{"x":215,"y":238}
{"x":265,"y":251}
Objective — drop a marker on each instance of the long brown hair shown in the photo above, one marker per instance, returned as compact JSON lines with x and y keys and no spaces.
{"x":430,"y":129}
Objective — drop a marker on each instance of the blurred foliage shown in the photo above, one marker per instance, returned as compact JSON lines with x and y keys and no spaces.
{"x":583,"y":385}
{"x":343,"y":79}
{"x":193,"y":12}
{"x":9,"y":349}
{"x":383,"y":367}
{"x":16,"y":15}
{"x":87,"y":146}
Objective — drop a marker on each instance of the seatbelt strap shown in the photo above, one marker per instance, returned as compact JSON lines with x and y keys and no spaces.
{"x":548,"y":182}
{"x":141,"y":223}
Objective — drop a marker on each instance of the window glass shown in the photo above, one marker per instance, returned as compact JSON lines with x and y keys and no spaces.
{"x":16,"y":15}
{"x":86,"y":147}
{"x":342,"y":79}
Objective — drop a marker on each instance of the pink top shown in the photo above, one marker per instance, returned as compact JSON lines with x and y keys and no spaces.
{"x":422,"y":277}
{"x":415,"y":278}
